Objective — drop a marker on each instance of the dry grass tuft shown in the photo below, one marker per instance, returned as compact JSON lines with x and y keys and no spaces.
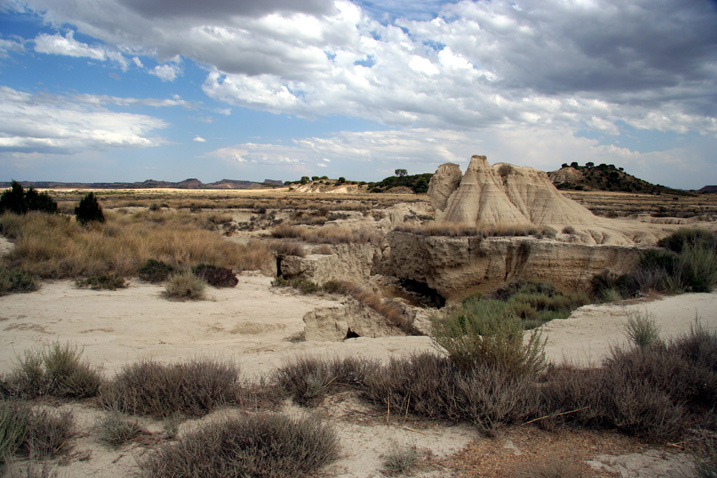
{"x":53,"y":246}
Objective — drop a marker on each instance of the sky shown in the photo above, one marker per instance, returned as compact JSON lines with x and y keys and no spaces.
{"x":129,"y":90}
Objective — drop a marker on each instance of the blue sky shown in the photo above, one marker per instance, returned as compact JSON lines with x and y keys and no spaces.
{"x":128,"y":90}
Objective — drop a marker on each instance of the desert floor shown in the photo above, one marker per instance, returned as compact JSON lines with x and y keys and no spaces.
{"x":259,"y":326}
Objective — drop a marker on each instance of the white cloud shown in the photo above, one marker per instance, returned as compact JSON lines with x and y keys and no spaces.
{"x":7,"y":46}
{"x":199,"y":139}
{"x":68,"y":46}
{"x":474,"y":65}
{"x":57,"y":124}
{"x":167,"y":72}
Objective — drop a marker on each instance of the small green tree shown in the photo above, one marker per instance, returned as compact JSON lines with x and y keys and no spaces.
{"x":341,"y":180}
{"x":401,"y":172}
{"x":305,"y":180}
{"x":89,"y":210}
{"x":18,"y":201}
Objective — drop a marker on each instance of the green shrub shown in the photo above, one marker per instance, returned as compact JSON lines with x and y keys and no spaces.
{"x":14,"y":427}
{"x":216,"y":276}
{"x":155,"y":271}
{"x":192,"y":388}
{"x":89,"y":210}
{"x":116,"y":429}
{"x":185,"y":286}
{"x":109,"y":281}
{"x":487,"y":333}
{"x":58,"y":370}
{"x":693,"y":237}
{"x":259,"y":446}
{"x":400,"y":461}
{"x":17,"y":280}
{"x":642,"y":330}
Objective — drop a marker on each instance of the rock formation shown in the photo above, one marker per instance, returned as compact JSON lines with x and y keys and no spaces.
{"x":455,"y":267}
{"x":502,"y":194}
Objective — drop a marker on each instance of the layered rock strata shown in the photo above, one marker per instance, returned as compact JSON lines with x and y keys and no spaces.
{"x":455,"y":267}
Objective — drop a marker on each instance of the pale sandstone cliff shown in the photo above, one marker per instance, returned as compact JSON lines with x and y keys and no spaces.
{"x":457,"y":266}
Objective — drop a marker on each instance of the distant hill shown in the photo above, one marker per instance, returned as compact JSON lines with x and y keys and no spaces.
{"x":417,"y":183}
{"x":606,"y":177}
{"x":191,"y":183}
{"x":708,"y":190}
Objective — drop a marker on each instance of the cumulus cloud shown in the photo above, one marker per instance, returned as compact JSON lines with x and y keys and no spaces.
{"x":468,"y":65}
{"x":7,"y":46}
{"x":371,"y":154}
{"x":167,"y":72}
{"x":68,"y":46}
{"x":57,"y":124}
{"x":199,"y":139}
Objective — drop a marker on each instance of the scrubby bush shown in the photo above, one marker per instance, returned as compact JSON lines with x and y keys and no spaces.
{"x":14,"y":427}
{"x":151,"y":388}
{"x":49,"y":434}
{"x":308,"y":379}
{"x":58,"y":370}
{"x":216,"y":276}
{"x":116,"y":429}
{"x":642,"y":330}
{"x":400,"y":461}
{"x":16,"y":280}
{"x":110,"y":281}
{"x":185,"y":286}
{"x":259,"y":446}
{"x":488,"y":333}
{"x":89,"y":210}
{"x":155,"y":271}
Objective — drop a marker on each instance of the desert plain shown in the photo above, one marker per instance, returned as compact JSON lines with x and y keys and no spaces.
{"x":261,"y":327}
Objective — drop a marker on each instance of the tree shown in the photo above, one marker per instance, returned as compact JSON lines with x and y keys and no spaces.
{"x":421,"y":186}
{"x":18,"y":201}
{"x":89,"y":210}
{"x":564,"y":165}
{"x":574,"y":164}
{"x":341,"y":180}
{"x":589,"y":165}
{"x":305,"y":180}
{"x":400,"y":173}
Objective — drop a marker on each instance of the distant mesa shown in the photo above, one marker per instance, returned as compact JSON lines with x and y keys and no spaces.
{"x":191,"y":183}
{"x":605,"y":177}
{"x":501,"y":194}
{"x":708,"y":190}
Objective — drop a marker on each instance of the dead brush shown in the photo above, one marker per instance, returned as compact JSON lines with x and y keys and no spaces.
{"x":390,"y":310}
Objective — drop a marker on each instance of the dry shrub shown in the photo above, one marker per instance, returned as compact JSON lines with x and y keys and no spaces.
{"x":16,"y":280}
{"x":288,"y":248}
{"x":391,"y":311}
{"x":155,"y":271}
{"x":216,"y":276}
{"x":324,"y":235}
{"x":110,"y":281}
{"x":185,"y":286}
{"x":116,"y":429}
{"x":49,"y":434}
{"x":57,"y":370}
{"x":431,"y":386}
{"x":192,"y":388}
{"x":308,"y":379}
{"x":453,"y":229}
{"x":259,"y":446}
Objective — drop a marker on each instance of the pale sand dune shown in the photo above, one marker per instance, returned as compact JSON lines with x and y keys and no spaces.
{"x":252,"y":324}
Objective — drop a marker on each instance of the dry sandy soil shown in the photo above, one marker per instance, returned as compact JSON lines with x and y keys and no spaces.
{"x":257,"y":326}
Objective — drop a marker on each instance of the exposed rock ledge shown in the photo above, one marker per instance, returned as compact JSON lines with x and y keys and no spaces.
{"x":455,"y":267}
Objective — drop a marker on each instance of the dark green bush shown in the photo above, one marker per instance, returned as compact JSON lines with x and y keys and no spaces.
{"x":110,"y":281}
{"x":89,"y":210}
{"x":155,"y":271}
{"x":18,"y":201}
{"x":257,"y":446}
{"x":17,"y":280}
{"x":216,"y":276}
{"x":694,"y":237}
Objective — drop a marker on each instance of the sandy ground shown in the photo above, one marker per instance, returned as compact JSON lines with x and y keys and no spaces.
{"x":257,"y":326}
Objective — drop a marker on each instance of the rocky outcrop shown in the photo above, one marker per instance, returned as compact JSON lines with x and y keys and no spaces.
{"x":454,"y":267}
{"x":349,"y":262}
{"x":502,"y":194}
{"x":353,"y":319}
